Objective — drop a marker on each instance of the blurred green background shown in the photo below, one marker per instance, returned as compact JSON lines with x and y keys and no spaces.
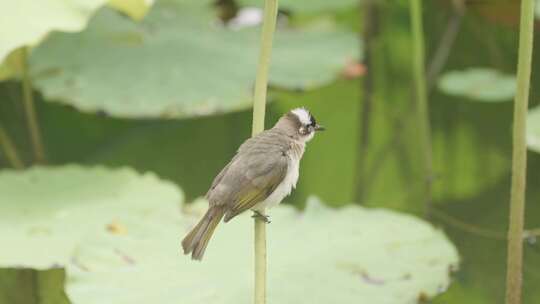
{"x":171,"y":94}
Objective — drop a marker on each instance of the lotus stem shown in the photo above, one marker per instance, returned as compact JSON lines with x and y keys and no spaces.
{"x":422,"y":111}
{"x":29,"y":109}
{"x":514,"y":272}
{"x":259,"y":105}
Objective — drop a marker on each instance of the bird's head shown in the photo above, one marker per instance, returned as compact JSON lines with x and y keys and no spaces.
{"x":300,"y":124}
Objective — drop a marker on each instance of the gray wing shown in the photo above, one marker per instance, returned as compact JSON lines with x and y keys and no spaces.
{"x":218,"y":178}
{"x":251,"y":176}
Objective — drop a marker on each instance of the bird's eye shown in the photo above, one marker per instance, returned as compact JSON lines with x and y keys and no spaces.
{"x":313,"y":122}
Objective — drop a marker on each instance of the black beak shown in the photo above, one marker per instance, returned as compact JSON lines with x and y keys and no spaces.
{"x":319,"y":128}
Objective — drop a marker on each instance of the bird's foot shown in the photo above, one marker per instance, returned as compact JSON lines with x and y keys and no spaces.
{"x":260,"y":216}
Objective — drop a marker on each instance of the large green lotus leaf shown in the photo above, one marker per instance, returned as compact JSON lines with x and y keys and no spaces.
{"x":479,"y":84}
{"x":44,"y":212}
{"x":348,"y":255}
{"x":533,"y":129}
{"x":27,"y":22}
{"x":178,"y":62}
{"x":306,"y":6}
{"x":117,"y":232}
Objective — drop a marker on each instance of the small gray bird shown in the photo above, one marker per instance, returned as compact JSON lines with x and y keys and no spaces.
{"x":264,"y":170}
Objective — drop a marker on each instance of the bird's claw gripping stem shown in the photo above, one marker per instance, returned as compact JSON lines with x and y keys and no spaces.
{"x":260,"y":216}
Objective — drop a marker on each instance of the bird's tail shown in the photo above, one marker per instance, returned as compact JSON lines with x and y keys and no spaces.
{"x":197,"y":239}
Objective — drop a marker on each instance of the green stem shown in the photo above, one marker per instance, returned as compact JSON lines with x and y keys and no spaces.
{"x":519,"y":156}
{"x":9,"y":149}
{"x":259,"y":102}
{"x":421,"y":97}
{"x":29,"y":108}
{"x":370,"y":13}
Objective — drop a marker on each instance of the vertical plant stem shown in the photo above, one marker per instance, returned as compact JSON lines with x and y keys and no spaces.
{"x":259,"y":102}
{"x":369,"y":8}
{"x":9,"y":149}
{"x":422,"y":112}
{"x":29,"y":108}
{"x":519,"y":156}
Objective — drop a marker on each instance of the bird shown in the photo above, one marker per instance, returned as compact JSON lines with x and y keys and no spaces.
{"x":264,"y":170}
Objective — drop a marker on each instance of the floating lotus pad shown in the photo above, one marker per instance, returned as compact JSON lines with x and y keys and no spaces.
{"x":179,"y":62}
{"x":118,"y":235}
{"x":27,"y":22}
{"x":479,"y":84}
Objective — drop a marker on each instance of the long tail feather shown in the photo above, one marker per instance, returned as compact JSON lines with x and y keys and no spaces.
{"x":197,"y":239}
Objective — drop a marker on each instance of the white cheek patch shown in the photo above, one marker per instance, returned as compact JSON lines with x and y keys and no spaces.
{"x":303,"y":115}
{"x":309,"y":137}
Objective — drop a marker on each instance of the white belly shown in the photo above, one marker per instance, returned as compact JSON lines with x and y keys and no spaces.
{"x":283,"y":189}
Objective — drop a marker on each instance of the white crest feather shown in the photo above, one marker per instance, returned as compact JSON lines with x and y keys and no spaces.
{"x":303,"y":115}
